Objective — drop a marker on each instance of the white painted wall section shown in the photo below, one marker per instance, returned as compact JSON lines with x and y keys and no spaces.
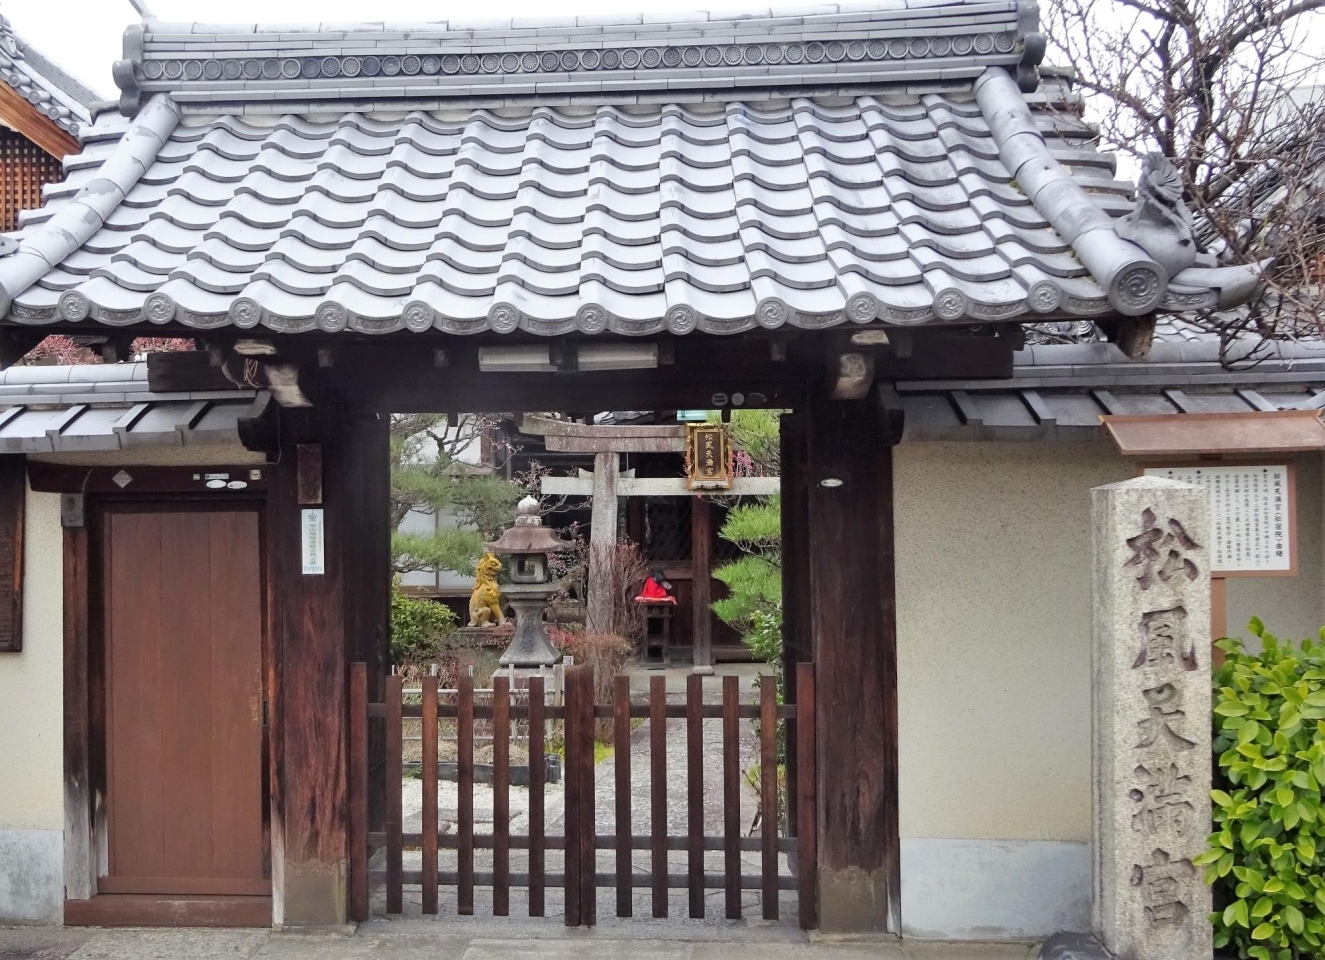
{"x":994,"y":621}
{"x":993,"y":637}
{"x":994,"y":889}
{"x":32,"y":718}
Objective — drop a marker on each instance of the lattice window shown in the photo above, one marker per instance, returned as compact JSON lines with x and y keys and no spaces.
{"x":667,"y":528}
{"x":24,"y":169}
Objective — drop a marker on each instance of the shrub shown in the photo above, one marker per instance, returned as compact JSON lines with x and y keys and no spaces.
{"x":1263,"y":859}
{"x":608,"y":653}
{"x":419,"y":629}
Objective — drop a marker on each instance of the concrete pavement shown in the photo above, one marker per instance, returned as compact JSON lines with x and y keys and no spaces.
{"x":416,"y":939}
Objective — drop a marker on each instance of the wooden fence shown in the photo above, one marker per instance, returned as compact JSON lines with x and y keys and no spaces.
{"x":377,"y":857}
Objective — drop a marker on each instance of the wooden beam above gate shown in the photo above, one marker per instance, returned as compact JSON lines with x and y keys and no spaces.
{"x":705,"y":373}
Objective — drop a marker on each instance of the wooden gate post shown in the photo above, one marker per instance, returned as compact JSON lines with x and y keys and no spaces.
{"x":358,"y":786}
{"x":803,"y":788}
{"x":324,"y":526}
{"x":854,"y":616}
{"x":797,"y":629}
{"x":570,"y":738}
{"x":701,"y":583}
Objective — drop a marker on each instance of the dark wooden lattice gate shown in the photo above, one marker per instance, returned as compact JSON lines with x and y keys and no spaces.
{"x":562,"y":855}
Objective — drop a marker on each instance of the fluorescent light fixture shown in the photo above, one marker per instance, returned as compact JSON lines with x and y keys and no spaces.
{"x":535,"y":358}
{"x":617,"y":356}
{"x":590,"y":358}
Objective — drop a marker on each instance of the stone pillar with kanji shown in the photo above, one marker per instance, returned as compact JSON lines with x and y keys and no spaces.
{"x":1151,"y":667}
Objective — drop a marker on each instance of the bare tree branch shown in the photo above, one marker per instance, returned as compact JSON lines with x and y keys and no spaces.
{"x":1220,"y":86}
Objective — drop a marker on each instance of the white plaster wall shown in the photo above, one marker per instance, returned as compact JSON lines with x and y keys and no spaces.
{"x":32,"y":682}
{"x":31,"y":718}
{"x":994,"y":889}
{"x":993,"y":606}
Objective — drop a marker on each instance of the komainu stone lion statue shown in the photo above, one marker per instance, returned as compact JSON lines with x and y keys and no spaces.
{"x":485,"y":601}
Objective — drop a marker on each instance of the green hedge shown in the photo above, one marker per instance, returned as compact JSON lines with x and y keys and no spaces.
{"x":419,"y":628}
{"x":1265,"y":856}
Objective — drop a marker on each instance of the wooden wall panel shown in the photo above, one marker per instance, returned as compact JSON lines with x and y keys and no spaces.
{"x":13,"y":494}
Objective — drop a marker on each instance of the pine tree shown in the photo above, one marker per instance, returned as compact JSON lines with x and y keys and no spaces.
{"x":753,"y":605}
{"x":428,"y":474}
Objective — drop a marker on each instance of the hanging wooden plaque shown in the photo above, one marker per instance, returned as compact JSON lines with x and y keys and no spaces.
{"x":708,"y":457}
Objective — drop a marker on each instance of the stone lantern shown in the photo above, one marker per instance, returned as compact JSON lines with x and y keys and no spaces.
{"x":528,"y":544}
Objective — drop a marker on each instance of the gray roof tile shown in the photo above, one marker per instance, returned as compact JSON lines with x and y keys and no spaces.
{"x":897,"y":204}
{"x":60,"y":409}
{"x":56,"y":94}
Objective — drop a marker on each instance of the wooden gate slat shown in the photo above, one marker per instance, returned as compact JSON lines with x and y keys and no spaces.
{"x":537,"y":768}
{"x":358,"y":827}
{"x":501,"y":808}
{"x":465,"y":774}
{"x":394,"y":776}
{"x":588,"y":855}
{"x":807,"y":849}
{"x":428,"y":730}
{"x":580,"y":843}
{"x":695,"y":792}
{"x":604,"y":841}
{"x":658,"y":790}
{"x":571,"y":740}
{"x":621,"y":741}
{"x":768,"y":792}
{"x":731,"y":795}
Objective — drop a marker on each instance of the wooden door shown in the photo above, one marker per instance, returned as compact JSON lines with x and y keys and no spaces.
{"x":181,"y":610}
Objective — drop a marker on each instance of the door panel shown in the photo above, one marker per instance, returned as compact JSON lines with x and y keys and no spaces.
{"x":181,"y":592}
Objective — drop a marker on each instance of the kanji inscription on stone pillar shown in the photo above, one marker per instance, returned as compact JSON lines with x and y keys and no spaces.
{"x":1151,"y":696}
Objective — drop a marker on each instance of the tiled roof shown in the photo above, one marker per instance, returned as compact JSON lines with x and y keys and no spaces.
{"x":1059,"y":392}
{"x":59,"y":409}
{"x":430,"y":65}
{"x":678,"y":203}
{"x":52,"y":91}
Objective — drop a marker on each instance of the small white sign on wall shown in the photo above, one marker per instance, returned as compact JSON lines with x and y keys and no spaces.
{"x":1251,"y":515}
{"x":314,"y":543}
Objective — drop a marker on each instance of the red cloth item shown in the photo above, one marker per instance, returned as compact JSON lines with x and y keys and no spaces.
{"x":653,"y":592}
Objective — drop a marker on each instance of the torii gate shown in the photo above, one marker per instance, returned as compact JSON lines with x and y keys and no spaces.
{"x":607,"y":442}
